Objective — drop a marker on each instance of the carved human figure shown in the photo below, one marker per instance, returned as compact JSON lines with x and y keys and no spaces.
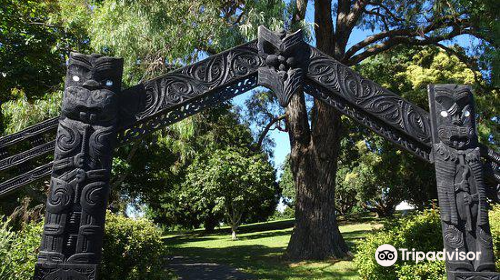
{"x":79,"y":185}
{"x":459,"y":174}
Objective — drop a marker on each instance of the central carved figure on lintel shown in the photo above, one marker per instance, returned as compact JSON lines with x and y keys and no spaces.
{"x":286,"y":57}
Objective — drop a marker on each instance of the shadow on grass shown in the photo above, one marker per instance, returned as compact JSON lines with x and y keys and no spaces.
{"x":182,"y":239}
{"x":264,"y":262}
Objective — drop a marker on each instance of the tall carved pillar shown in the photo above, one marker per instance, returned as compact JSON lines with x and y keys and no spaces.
{"x":461,"y":189}
{"x":79,"y":186}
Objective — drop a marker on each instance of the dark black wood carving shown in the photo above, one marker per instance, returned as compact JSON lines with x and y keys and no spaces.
{"x":460,"y":182}
{"x":79,"y":184}
{"x":286,"y":57}
{"x":369,"y":98}
{"x":156,"y":103}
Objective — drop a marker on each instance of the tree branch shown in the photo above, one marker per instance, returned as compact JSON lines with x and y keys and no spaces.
{"x":374,"y":38}
{"x":123,"y":176}
{"x":399,"y":40}
{"x":267,"y":128}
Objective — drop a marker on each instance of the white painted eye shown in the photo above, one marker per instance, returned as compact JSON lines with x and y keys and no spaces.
{"x":444,"y":114}
{"x":76,"y":78}
{"x":109,"y":83}
{"x":466,"y":113}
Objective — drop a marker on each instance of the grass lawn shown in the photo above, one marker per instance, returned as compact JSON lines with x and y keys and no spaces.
{"x":260,"y":252}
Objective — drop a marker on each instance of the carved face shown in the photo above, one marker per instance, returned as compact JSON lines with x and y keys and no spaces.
{"x":454,"y":113}
{"x":92,"y":85}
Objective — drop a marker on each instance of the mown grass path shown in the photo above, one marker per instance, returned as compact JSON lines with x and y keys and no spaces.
{"x":258,"y":255}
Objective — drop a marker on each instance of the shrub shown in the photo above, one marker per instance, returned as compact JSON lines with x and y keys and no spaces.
{"x":6,"y":238}
{"x":18,"y":251}
{"x":495,"y":232}
{"x":132,"y":250}
{"x":421,"y":231}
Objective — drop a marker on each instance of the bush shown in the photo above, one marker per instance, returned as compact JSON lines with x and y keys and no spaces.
{"x":18,"y":251}
{"x":495,"y":232}
{"x":421,"y":231}
{"x":132,"y":250}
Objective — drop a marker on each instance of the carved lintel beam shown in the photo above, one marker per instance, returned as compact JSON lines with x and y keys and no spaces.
{"x":460,"y":182}
{"x":286,"y":58}
{"x":79,"y":185}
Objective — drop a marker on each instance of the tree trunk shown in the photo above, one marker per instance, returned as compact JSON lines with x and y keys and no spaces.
{"x":233,"y":235}
{"x":210,"y":223}
{"x":313,"y":157}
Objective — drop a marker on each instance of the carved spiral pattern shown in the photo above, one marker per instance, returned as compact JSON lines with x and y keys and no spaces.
{"x":210,"y":98}
{"x":385,"y":130}
{"x":453,"y":237}
{"x":60,"y":195}
{"x":196,"y":80}
{"x":68,"y":138}
{"x":485,"y":238}
{"x":92,"y":195}
{"x":369,"y":97}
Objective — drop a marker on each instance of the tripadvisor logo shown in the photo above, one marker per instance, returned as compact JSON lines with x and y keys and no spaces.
{"x":387,"y":255}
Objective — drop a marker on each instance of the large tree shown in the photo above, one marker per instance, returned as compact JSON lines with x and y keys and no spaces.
{"x":315,"y":142}
{"x":234,"y":181}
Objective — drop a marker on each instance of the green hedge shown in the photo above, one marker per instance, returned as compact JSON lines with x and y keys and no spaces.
{"x":421,"y":231}
{"x":132,"y":250}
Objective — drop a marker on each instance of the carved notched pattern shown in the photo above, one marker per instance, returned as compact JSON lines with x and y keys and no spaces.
{"x":369,"y":96}
{"x":190,"y":82}
{"x":387,"y":131}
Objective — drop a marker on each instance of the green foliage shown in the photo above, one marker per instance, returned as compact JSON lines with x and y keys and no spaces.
{"x":155,"y":36}
{"x":495,"y":232}
{"x":18,"y":251}
{"x":156,"y":175}
{"x":421,"y":231}
{"x":132,"y":250}
{"x":21,"y":113}
{"x":232,"y":181}
{"x":33,"y":47}
{"x":288,"y":213}
{"x":6,"y":238}
{"x":28,"y":62}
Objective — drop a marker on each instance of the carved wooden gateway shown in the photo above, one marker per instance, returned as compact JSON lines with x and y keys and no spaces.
{"x":97,"y":116}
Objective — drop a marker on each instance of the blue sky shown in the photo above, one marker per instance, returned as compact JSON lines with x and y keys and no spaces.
{"x":281,"y":138}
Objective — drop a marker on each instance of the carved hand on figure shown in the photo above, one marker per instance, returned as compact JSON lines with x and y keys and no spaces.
{"x":462,"y":186}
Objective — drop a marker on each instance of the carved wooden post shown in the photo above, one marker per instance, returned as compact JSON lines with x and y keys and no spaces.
{"x":79,"y":186}
{"x":461,"y":189}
